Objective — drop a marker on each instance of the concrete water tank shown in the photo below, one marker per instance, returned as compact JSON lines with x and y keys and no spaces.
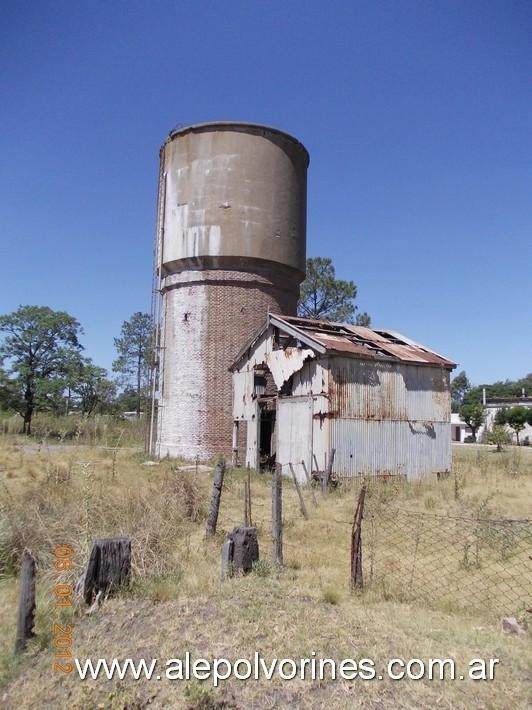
{"x":231,"y":246}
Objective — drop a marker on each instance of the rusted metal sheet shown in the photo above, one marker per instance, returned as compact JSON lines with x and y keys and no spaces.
{"x":341,"y":344}
{"x":368,"y":343}
{"x":397,"y":448}
{"x":387,"y":391}
{"x":402,"y":353}
{"x":412,"y":354}
{"x":408,"y":341}
{"x":366,"y":333}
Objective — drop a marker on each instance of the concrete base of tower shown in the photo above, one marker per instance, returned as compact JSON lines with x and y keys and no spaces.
{"x":207,"y":316}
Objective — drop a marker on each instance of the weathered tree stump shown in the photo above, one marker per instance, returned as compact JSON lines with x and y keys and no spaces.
{"x":109,"y":567}
{"x":26,"y":607}
{"x":240,"y":551}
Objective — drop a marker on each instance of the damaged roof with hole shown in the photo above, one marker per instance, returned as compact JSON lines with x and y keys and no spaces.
{"x":349,"y":340}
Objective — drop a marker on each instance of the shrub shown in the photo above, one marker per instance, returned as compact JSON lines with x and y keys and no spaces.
{"x":92,"y":504}
{"x":498,"y":436}
{"x":330,"y":596}
{"x":262,"y":568}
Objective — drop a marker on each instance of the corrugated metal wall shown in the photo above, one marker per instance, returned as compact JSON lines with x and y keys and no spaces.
{"x":389,"y":418}
{"x":373,"y":448}
{"x":383,"y":418}
{"x":361,"y":389}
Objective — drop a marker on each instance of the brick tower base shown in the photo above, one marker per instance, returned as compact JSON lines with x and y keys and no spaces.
{"x":208,"y":315}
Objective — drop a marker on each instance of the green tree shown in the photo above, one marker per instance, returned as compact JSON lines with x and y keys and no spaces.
{"x":506,"y":389}
{"x":134,"y":347}
{"x":92,"y":388}
{"x":460,"y":385}
{"x":498,"y":436}
{"x":516,"y":418}
{"x":38,"y":345}
{"x":55,"y":394}
{"x":7,"y":392}
{"x":500,"y":417}
{"x":127,"y":400}
{"x":473,"y":416}
{"x":325,"y":297}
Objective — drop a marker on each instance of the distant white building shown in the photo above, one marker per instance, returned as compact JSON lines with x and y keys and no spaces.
{"x":459,"y":429}
{"x":493,"y":405}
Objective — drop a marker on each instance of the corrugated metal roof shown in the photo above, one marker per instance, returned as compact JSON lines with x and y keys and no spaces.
{"x":339,"y":343}
{"x":359,"y":341}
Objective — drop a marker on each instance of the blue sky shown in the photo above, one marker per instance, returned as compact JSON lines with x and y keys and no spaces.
{"x":416,"y":115}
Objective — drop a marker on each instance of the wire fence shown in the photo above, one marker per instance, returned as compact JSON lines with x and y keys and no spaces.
{"x":456,"y":563}
{"x":465,"y":563}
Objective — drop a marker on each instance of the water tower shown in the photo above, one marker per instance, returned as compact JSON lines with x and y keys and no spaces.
{"x":230,"y":246}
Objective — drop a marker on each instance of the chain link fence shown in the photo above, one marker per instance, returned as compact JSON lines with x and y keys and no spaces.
{"x":450,"y":562}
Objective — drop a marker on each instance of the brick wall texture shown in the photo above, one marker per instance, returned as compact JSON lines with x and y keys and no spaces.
{"x":208,"y":316}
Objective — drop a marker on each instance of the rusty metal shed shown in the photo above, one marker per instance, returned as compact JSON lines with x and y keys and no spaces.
{"x":303,"y":387}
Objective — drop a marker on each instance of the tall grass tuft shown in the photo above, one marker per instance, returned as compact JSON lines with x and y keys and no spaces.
{"x":92,"y":503}
{"x":98,"y":430}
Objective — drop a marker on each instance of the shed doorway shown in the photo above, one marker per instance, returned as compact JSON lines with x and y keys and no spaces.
{"x":267,"y":456}
{"x":266,"y":393}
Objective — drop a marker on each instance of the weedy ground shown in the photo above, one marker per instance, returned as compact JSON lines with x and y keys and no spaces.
{"x":176,"y":602}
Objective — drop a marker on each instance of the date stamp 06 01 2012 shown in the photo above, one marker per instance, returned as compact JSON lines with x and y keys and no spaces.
{"x":63,"y":598}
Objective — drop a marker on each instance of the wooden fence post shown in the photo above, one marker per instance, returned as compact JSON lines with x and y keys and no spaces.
{"x":246,"y":505}
{"x":357,"y":581}
{"x":277,"y":514}
{"x":302,"y":505}
{"x":249,"y":498}
{"x":214,"y":508}
{"x":327,"y":474}
{"x":309,"y":481}
{"x":26,"y":605}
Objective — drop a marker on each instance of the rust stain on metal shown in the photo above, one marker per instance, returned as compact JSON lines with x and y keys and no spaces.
{"x":342,"y":345}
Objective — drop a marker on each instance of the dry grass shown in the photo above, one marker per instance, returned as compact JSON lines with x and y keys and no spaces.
{"x":177,"y":603}
{"x":99,"y":429}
